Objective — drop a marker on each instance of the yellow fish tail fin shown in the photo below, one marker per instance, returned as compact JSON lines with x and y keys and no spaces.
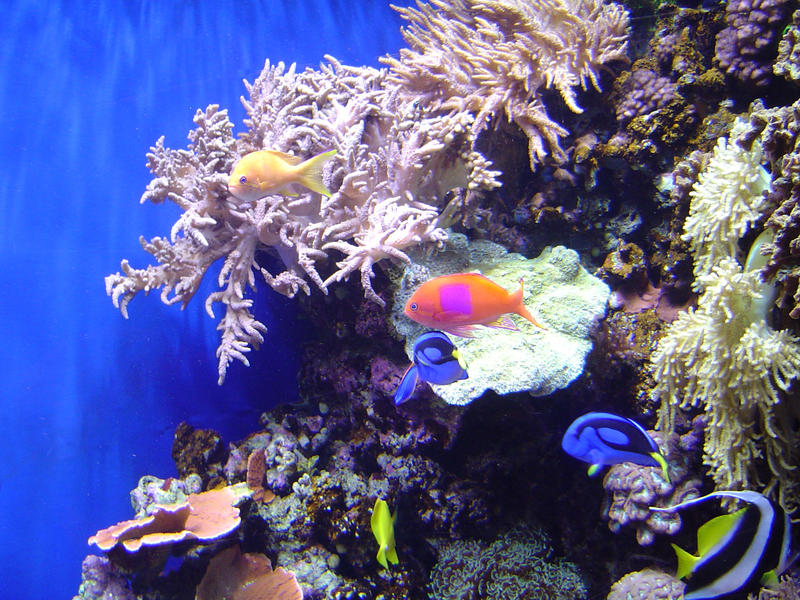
{"x":391,"y":555}
{"x":310,"y":172}
{"x":382,"y":557}
{"x":686,"y":561}
{"x":662,"y":462}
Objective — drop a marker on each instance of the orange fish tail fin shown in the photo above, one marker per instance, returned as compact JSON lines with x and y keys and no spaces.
{"x":519,"y":307}
{"x":310,"y":172}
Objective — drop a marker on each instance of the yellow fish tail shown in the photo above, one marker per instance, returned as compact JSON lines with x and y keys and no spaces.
{"x":382,"y":558}
{"x":310,"y":172}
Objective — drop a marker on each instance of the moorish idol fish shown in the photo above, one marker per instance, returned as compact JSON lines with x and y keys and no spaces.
{"x":382,"y":523}
{"x":435,"y":360}
{"x":737,"y":552}
{"x":457,"y":303}
{"x":605,"y":439}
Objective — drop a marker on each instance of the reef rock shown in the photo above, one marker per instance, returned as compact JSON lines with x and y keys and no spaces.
{"x":559,"y":292}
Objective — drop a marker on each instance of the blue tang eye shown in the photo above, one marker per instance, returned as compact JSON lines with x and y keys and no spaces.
{"x":242,"y":179}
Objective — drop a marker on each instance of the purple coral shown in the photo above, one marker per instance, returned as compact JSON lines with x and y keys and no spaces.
{"x":645,"y":91}
{"x":631,"y":489}
{"x":746,"y":48}
{"x":101,"y":580}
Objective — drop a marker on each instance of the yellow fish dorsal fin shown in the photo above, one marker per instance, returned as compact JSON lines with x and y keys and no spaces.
{"x":289,"y":158}
{"x":713,"y":531}
{"x":686,"y":561}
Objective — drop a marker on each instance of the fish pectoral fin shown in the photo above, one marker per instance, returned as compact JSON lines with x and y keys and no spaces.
{"x":686,"y":562}
{"x":503,"y":322}
{"x":769,"y":579}
{"x":407,"y":384}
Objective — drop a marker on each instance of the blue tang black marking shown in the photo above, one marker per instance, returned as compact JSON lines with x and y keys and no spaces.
{"x":436,"y":360}
{"x":606,"y":439}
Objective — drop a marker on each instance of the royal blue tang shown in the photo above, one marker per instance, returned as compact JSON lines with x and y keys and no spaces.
{"x":605,"y":439}
{"x":435,"y":360}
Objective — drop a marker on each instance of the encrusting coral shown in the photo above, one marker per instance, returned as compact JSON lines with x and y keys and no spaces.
{"x":498,"y":56}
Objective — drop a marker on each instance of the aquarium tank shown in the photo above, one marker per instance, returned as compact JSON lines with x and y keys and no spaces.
{"x":428,"y":300}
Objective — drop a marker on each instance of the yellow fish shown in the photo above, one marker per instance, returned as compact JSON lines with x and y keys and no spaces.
{"x":382,"y":523}
{"x":265,"y":172}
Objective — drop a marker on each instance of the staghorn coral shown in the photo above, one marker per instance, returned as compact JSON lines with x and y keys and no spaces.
{"x":632,"y":489}
{"x":393,"y":168}
{"x":499,"y":56}
{"x":518,"y":564}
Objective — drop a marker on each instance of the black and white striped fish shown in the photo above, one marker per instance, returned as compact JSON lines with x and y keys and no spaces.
{"x":737,"y":552}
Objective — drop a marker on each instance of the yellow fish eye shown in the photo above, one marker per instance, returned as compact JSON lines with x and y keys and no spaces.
{"x":242,"y":179}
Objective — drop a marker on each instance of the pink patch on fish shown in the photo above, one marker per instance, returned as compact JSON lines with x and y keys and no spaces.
{"x":455,"y":298}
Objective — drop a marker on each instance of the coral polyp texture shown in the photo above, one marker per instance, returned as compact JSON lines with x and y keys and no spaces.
{"x":496,"y":58}
{"x":393,"y":167}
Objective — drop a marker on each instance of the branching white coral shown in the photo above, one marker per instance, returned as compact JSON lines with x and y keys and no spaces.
{"x":495,"y":56}
{"x":393,"y":167}
{"x":728,"y":198}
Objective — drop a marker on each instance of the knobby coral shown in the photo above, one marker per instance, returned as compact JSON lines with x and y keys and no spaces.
{"x":499,"y":56}
{"x":393,"y":167}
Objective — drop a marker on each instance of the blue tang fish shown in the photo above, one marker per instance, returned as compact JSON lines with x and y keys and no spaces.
{"x":736,"y":553}
{"x":436,"y":360}
{"x":606,"y":439}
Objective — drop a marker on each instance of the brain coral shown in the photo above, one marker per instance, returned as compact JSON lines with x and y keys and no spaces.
{"x":518,"y":564}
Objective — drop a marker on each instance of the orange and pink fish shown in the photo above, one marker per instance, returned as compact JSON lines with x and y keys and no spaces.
{"x":457,"y":303}
{"x":265,"y":172}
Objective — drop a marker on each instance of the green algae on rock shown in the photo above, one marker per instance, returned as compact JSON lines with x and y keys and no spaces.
{"x":559,"y":292}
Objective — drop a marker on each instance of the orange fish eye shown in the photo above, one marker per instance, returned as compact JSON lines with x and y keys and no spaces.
{"x":413,"y":306}
{"x":242,"y":179}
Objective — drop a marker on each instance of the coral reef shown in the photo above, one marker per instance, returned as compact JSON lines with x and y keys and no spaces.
{"x":496,"y":58}
{"x":788,"y":62}
{"x":101,"y":580}
{"x":517,"y":564}
{"x":745,"y":49}
{"x":632,"y":489}
{"x":394,"y":165}
{"x":558,"y":290}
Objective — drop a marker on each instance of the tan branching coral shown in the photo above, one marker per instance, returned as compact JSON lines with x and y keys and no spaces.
{"x":231,"y":575}
{"x":724,"y":358}
{"x":498,"y":56}
{"x":202,"y":517}
{"x":393,"y":167}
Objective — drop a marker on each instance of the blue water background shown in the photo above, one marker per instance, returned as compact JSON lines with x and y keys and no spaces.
{"x":90,"y":401}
